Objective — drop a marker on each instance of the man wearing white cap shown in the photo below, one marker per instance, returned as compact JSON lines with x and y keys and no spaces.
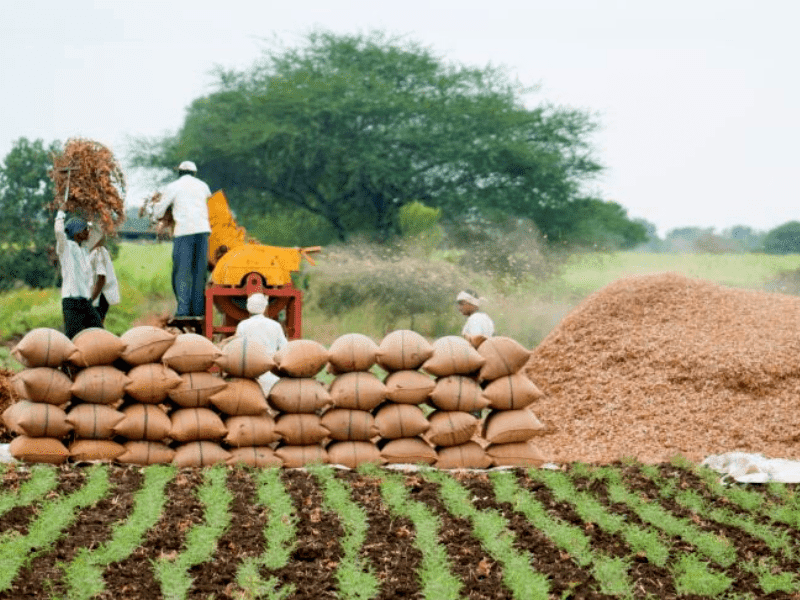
{"x":188,"y":197}
{"x":479,"y":325}
{"x":263,"y":330}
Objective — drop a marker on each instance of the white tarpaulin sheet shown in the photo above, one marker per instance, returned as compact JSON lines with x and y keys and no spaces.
{"x":754,"y":468}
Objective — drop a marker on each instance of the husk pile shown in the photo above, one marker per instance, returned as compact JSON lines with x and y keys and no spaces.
{"x":7,"y":398}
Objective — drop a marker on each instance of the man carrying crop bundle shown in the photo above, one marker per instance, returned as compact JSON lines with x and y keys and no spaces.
{"x":265,"y":331}
{"x":479,"y":326}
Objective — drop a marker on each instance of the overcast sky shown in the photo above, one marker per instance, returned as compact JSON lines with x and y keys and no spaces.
{"x":697,"y":99}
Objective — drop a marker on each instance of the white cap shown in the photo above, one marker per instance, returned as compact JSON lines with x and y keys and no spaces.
{"x":257,"y":304}
{"x":469,"y":298}
{"x":187,"y":165}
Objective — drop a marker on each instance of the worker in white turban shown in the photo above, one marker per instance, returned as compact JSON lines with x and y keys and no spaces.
{"x":267,"y":332}
{"x":479,"y":326}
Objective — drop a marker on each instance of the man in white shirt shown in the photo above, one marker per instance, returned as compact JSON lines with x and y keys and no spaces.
{"x":105,"y":291}
{"x":479,"y":326}
{"x":188,"y":197}
{"x":263,"y":330}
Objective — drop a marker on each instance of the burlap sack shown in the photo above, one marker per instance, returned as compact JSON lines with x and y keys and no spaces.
{"x":294,"y":457}
{"x":303,"y":395}
{"x":511,"y":392}
{"x":100,"y":384}
{"x":503,"y":355}
{"x":411,"y":450}
{"x":94,"y":421}
{"x":352,"y":352}
{"x":241,"y":397}
{"x":10,"y":415}
{"x":43,"y":384}
{"x":400,"y":420}
{"x":300,"y":429}
{"x":44,"y":347}
{"x":95,"y":450}
{"x":146,"y":453}
{"x":196,"y":388}
{"x":301,"y":358}
{"x":191,"y":352}
{"x":36,"y":419}
{"x":199,"y":454}
{"x":453,"y":355}
{"x":244,"y":357}
{"x":38,"y":450}
{"x":96,"y":346}
{"x":468,"y":455}
{"x":146,"y":344}
{"x":507,"y":426}
{"x":402,"y":350}
{"x":357,"y":390}
{"x":516,"y":454}
{"x":258,"y":457}
{"x":451,"y":427}
{"x":195,"y":424}
{"x":251,"y":431}
{"x":144,"y":422}
{"x":458,"y":392}
{"x":351,"y":454}
{"x":151,"y":382}
{"x":408,"y":387}
{"x":347,"y":424}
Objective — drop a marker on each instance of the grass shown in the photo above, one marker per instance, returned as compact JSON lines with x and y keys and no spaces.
{"x":42,"y":481}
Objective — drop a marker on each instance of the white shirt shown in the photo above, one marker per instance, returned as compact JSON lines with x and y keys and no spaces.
{"x":188,"y":197}
{"x":100,"y":260}
{"x":479,"y":323}
{"x":268,"y":333}
{"x":76,"y":272}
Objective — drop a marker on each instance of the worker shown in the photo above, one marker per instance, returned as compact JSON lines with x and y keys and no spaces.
{"x":479,"y":326}
{"x":267,"y":332}
{"x":188,"y":197}
{"x":76,"y":275}
{"x":105,"y":291}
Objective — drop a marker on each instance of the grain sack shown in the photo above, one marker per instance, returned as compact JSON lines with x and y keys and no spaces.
{"x":196,"y":388}
{"x":251,"y":431}
{"x":503,"y":355}
{"x":450,"y":427}
{"x":241,"y":397}
{"x":301,"y":358}
{"x":300,"y":429}
{"x":410,"y":450}
{"x":303,"y":395}
{"x":352,"y":352}
{"x":199,"y":454}
{"x":351,"y":454}
{"x":408,"y":387}
{"x":258,"y":457}
{"x":43,"y":384}
{"x":95,"y":450}
{"x":100,"y":384}
{"x":294,"y":457}
{"x":96,"y":346}
{"x":403,"y":350}
{"x":453,"y":355}
{"x":38,"y":450}
{"x":10,"y":415}
{"x":37,"y":419}
{"x":145,"y":344}
{"x":191,"y":352}
{"x":505,"y":426}
{"x":400,"y":420}
{"x":94,"y":421}
{"x":144,"y":422}
{"x":511,"y":392}
{"x":458,"y":392}
{"x":151,"y":382}
{"x":349,"y":424}
{"x":194,"y":424}
{"x":146,"y":453}
{"x":515,"y":454}
{"x":44,"y":347}
{"x":244,"y":357}
{"x":357,"y":390}
{"x":468,"y":455}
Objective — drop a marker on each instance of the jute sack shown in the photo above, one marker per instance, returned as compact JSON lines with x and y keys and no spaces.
{"x":352,"y":352}
{"x":199,"y":454}
{"x":400,"y":421}
{"x":95,"y":450}
{"x":515,"y":454}
{"x":351,"y":454}
{"x":506,"y":426}
{"x":511,"y":392}
{"x":453,"y":355}
{"x":195,"y":424}
{"x":10,"y":415}
{"x":150,"y":382}
{"x":458,"y":392}
{"x":36,"y":419}
{"x":402,"y":350}
{"x":468,"y":455}
{"x":300,"y":429}
{"x":254,"y":456}
{"x":100,"y":384}
{"x":451,"y":427}
{"x":349,"y":424}
{"x":96,"y":346}
{"x":38,"y":450}
{"x":43,"y":384}
{"x":251,"y":431}
{"x":145,"y":344}
{"x":408,"y":387}
{"x":359,"y":390}
{"x":196,"y":388}
{"x":244,"y":357}
{"x":302,"y":395}
{"x":144,"y":422}
{"x":411,"y":450}
{"x":503,"y":355}
{"x":241,"y":397}
{"x":146,"y":453}
{"x":44,"y":347}
{"x":191,"y":352}
{"x":94,"y":421}
{"x":301,"y":358}
{"x":294,"y":457}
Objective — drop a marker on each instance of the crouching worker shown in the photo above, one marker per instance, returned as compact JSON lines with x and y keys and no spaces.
{"x":263,"y":330}
{"x":479,"y":326}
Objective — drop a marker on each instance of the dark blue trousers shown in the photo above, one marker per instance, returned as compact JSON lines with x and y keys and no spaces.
{"x":189,"y":273}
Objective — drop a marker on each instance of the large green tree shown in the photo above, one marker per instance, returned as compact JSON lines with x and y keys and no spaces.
{"x":352,"y":127}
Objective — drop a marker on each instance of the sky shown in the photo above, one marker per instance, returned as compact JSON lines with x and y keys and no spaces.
{"x":697,"y":100}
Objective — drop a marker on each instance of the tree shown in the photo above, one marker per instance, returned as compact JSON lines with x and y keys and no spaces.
{"x":353,"y":127}
{"x":784,"y":239}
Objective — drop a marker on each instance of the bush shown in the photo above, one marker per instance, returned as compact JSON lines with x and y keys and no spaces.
{"x":784,"y":239}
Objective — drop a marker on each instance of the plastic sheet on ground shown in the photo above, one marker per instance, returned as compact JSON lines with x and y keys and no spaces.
{"x":754,"y":468}
{"x":5,"y":454}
